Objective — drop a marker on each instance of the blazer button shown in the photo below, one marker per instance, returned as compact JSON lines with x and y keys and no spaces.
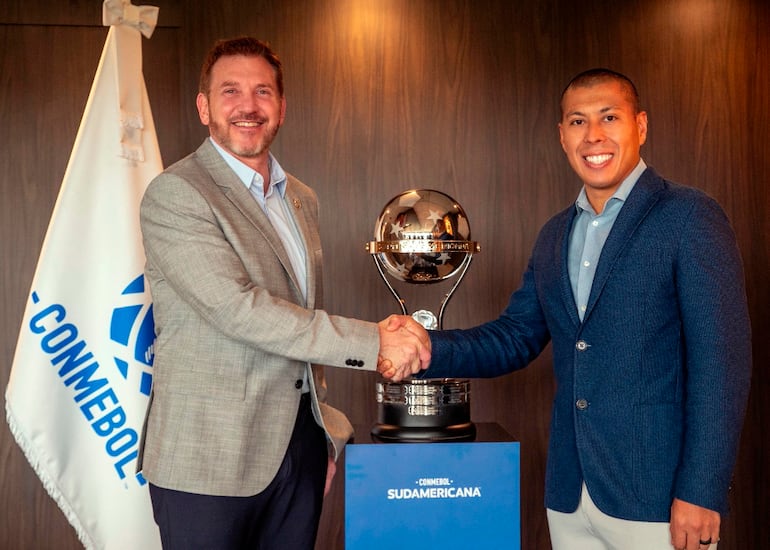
{"x":581,"y":345}
{"x":581,"y":404}
{"x":298,"y":384}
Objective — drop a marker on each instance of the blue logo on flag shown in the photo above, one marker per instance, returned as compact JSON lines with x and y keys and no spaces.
{"x":132,"y":326}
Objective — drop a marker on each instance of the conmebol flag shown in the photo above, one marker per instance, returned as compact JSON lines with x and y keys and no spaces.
{"x":80,"y":380}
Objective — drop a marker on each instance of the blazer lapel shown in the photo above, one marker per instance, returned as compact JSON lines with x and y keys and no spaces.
{"x":301,"y":214}
{"x":241,"y":198}
{"x":638,"y":204}
{"x":562,"y":256}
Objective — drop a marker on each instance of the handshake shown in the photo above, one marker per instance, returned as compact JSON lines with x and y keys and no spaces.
{"x":404,"y":348}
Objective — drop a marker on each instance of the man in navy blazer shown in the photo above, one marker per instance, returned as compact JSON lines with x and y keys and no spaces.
{"x":639,"y":286}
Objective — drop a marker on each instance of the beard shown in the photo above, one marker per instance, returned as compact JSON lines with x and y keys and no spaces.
{"x":221,"y":135}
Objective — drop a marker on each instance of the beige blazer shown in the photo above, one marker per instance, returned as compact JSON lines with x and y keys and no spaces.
{"x":234,"y":334}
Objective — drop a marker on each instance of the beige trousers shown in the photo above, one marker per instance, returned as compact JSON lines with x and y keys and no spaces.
{"x":588,"y":528}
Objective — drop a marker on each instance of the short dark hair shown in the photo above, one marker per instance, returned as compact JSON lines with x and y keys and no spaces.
{"x":596,"y":76}
{"x":244,"y":45}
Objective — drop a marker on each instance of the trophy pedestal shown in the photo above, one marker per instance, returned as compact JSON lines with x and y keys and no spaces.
{"x":403,"y":482}
{"x":424,"y":411}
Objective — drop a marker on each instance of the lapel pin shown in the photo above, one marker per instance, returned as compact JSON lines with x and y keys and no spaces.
{"x":297,"y":204}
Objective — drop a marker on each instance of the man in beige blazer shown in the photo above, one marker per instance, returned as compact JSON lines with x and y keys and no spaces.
{"x":238,"y":441}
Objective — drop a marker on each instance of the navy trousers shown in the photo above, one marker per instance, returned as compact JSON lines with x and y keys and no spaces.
{"x":284,"y":516}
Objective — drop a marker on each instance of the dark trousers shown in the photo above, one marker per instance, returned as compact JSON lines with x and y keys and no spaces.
{"x":284,"y":516}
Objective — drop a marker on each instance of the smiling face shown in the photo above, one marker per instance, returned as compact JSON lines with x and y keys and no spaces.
{"x":243,"y":106}
{"x":601,"y":134}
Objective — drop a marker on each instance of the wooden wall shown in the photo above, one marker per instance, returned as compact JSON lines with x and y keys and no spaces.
{"x":456,"y":95}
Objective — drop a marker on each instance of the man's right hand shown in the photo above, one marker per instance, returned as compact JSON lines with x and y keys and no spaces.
{"x":404,"y":347}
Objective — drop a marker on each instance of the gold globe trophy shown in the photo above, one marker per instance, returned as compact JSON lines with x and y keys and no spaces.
{"x":421,"y":237}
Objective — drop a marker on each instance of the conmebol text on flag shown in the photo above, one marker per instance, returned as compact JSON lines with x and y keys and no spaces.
{"x":81,"y":374}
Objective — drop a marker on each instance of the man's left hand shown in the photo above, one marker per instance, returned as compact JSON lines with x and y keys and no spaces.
{"x":691,"y":525}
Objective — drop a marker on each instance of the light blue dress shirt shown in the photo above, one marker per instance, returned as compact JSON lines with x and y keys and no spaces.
{"x":589,"y":233}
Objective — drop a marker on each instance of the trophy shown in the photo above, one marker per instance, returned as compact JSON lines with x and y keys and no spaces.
{"x":422,"y":237}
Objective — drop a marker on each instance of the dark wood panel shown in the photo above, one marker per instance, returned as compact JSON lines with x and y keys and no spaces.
{"x":456,"y":95}
{"x":76,"y":12}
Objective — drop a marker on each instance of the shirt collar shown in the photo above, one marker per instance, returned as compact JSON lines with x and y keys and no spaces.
{"x":620,"y":194}
{"x":249,"y":176}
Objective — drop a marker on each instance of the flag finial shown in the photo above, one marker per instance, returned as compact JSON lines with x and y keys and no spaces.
{"x":122,"y":12}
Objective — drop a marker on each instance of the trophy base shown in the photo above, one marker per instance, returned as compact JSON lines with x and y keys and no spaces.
{"x":388,"y":433}
{"x":428,"y":410}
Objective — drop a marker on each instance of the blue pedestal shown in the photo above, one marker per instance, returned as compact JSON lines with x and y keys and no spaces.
{"x":432,"y":495}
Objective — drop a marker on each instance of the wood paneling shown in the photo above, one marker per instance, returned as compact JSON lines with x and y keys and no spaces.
{"x":455,"y":95}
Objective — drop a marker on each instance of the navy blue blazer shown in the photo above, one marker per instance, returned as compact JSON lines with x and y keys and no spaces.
{"x":652,"y":385}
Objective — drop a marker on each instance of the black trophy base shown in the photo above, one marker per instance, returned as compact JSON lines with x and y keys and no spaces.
{"x":389,"y":433}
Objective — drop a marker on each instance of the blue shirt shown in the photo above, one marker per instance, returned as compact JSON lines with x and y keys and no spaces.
{"x":589,"y":233}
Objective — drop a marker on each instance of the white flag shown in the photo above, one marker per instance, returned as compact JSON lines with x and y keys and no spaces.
{"x":80,"y":380}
